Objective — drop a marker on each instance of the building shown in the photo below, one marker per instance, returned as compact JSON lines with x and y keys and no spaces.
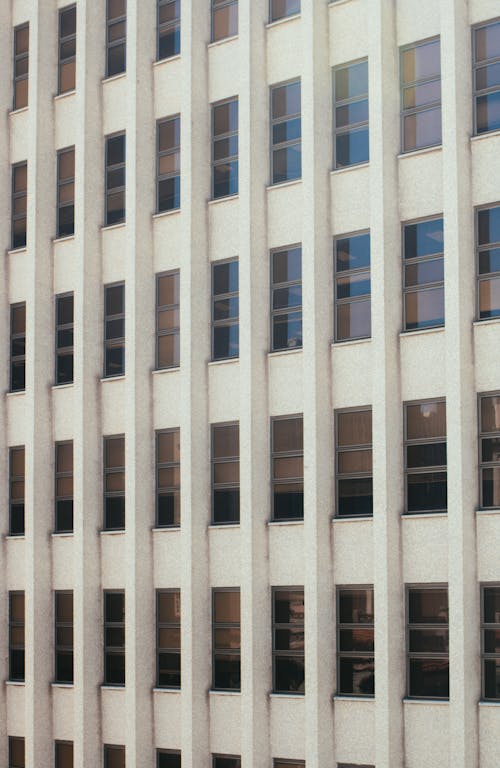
{"x":278,"y":484}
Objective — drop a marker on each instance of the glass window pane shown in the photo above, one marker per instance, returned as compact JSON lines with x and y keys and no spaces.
{"x":488,"y":41}
{"x":490,"y":413}
{"x":288,"y":434}
{"x":489,"y":298}
{"x":169,"y":446}
{"x":427,"y":492}
{"x":421,"y":62}
{"x":424,"y":309}
{"x":354,"y":320}
{"x":426,"y":420}
{"x":225,"y":22}
{"x":168,"y":350}
{"x":226,"y":606}
{"x":422,"y":129}
{"x":169,"y":607}
{"x":423,"y":238}
{"x":428,"y":606}
{"x":356,"y":606}
{"x":351,"y":81}
{"x":429,"y":677}
{"x":168,"y":289}
{"x":226,"y":441}
{"x":488,"y":221}
{"x":352,"y":147}
{"x":115,"y":452}
{"x":286,"y":100}
{"x":289,"y":606}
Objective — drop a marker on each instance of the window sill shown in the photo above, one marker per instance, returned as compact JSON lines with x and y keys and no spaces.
{"x":422,"y":151}
{"x":422,"y":515}
{"x":159,"y":62}
{"x":347,"y":168}
{"x":62,"y":534}
{"x":484,"y":703}
{"x":278,"y":523}
{"x":276,"y":695}
{"x":61,"y":96}
{"x":63,"y":239}
{"x":16,"y":393}
{"x":19,"y":111}
{"x":63,"y":386}
{"x":421,"y":331}
{"x":156,"y":689}
{"x":485,"y":135}
{"x":216,"y":526}
{"x":345,"y":697}
{"x":108,"y":687}
{"x":112,"y":78}
{"x":486,"y":321}
{"x":215,"y":43}
{"x":110,"y":227}
{"x":283,"y":184}
{"x":333,"y":3}
{"x":284,"y":20}
{"x":163,"y":528}
{"x":62,"y":685}
{"x":163,"y":214}
{"x":15,"y":683}
{"x":350,"y":342}
{"x":157,"y":371}
{"x":441,"y":702}
{"x":223,"y":199}
{"x":14,"y":251}
{"x":216,"y":692}
{"x":280,"y":352}
{"x":358,"y":519}
{"x":223,"y":361}
{"x":112,"y":378}
{"x":492,"y":511}
{"x":113,"y":532}
{"x":15,"y":536}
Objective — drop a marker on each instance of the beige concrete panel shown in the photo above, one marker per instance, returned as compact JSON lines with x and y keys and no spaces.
{"x":225,"y":556}
{"x":19,"y":134}
{"x":166,"y":388}
{"x":284,"y":214}
{"x":348,"y":32}
{"x":65,"y":255}
{"x":167,"y":719}
{"x":223,"y":389}
{"x":21,"y":11}
{"x":286,"y":554}
{"x":167,"y":549}
{"x":425,"y":549}
{"x":167,"y":78}
{"x":352,"y":374}
{"x":167,"y":240}
{"x":486,"y":362}
{"x":114,"y":723}
{"x":63,"y":404}
{"x":223,"y":220}
{"x":113,"y":560}
{"x":15,"y":548}
{"x":223,"y":69}
{"x":63,"y":562}
{"x":114,"y":243}
{"x":65,"y":121}
{"x":485,"y":152}
{"x":482,"y":10}
{"x":20,"y":265}
{"x":354,"y":731}
{"x":426,"y":735}
{"x":62,"y":713}
{"x":15,"y":710}
{"x":489,"y":743}
{"x":114,"y":105}
{"x":422,"y":371}
{"x":488,"y":536}
{"x":353,"y":551}
{"x":17,"y":423}
{"x":113,"y":402}
{"x":417,"y":197}
{"x":225,"y":723}
{"x":284,"y":49}
{"x":287,"y":726}
{"x":412,"y":26}
{"x":350,"y":195}
{"x":285,"y":383}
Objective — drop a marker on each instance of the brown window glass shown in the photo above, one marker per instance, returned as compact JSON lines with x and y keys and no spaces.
{"x":168,"y":478}
{"x":486,"y":54}
{"x":354,"y":463}
{"x":168,"y":164}
{"x":288,"y":640}
{"x":225,"y":149}
{"x":280,"y":9}
{"x":64,"y":637}
{"x":114,"y":638}
{"x":21,"y":66}
{"x":355,"y":641}
{"x":421,"y":95}
{"x":427,"y":642}
{"x":16,"y":636}
{"x":425,"y":456}
{"x":115,"y":180}
{"x":114,"y":483}
{"x":489,"y":451}
{"x":277,"y":763}
{"x":114,"y":330}
{"x":166,"y":758}
{"x":225,"y":310}
{"x":423,"y":268}
{"x":354,"y":765}
{"x":18,"y":206}
{"x":169,"y":28}
{"x":287,"y":468}
{"x":350,"y":93}
{"x":116,"y":37}
{"x":286,"y":298}
{"x":352,"y":287}
{"x":67,"y":49}
{"x":286,"y":132}
{"x":226,"y":639}
{"x":224,"y":19}
{"x":114,"y":756}
{"x":226,"y":761}
{"x":488,"y":261}
{"x":64,"y":487}
{"x":167,"y":320}
{"x":16,"y":491}
{"x":17,"y":347}
{"x":66,"y":192}
{"x":16,"y":752}
{"x":168,"y":639}
{"x":225,"y":473}
{"x":64,"y":754}
{"x":490,"y":641}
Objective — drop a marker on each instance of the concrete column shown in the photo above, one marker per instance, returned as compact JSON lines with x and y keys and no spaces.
{"x":461,"y":405}
{"x":387,"y":407}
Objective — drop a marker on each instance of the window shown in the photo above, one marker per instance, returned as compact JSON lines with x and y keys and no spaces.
{"x":114,"y":756}
{"x":225,"y":473}
{"x":352,"y":287}
{"x":280,"y":9}
{"x":488,"y":261}
{"x":355,"y":641}
{"x":16,"y":752}
{"x":286,"y":132}
{"x":19,"y":202}
{"x":168,"y":164}
{"x":64,"y":637}
{"x":486,"y":53}
{"x":115,"y":179}
{"x":427,"y":642}
{"x":224,"y":19}
{"x":425,"y":456}
{"x":287,"y":448}
{"x":226,"y":639}
{"x":114,"y":483}
{"x":21,"y":66}
{"x":421,"y":95}
{"x":490,"y":632}
{"x":168,"y":640}
{"x":114,"y":330}
{"x":350,"y":89}
{"x":64,"y":487}
{"x":423,"y":269}
{"x":114,"y":640}
{"x":64,"y":754}
{"x":169,"y":28}
{"x":288,"y":640}
{"x":116,"y":39}
{"x":167,"y":320}
{"x":16,"y":636}
{"x":288,"y":763}
{"x":17,"y":347}
{"x":16,"y":491}
{"x":286,"y":298}
{"x":489,"y":451}
{"x":226,"y":761}
{"x":353,"y":444}
{"x":225,"y":310}
{"x":66,"y":192}
{"x":168,"y":478}
{"x":67,"y":49}
{"x":225,"y":149}
{"x":64,"y":339}
{"x":168,"y":759}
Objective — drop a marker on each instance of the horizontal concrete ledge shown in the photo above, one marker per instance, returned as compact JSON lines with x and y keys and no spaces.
{"x":423,"y":515}
{"x":223,"y":361}
{"x":293,"y":696}
{"x":352,"y":519}
{"x":421,"y":332}
{"x":63,"y":386}
{"x":279,"y":22}
{"x":112,"y":378}
{"x":120,"y":531}
{"x":14,"y":251}
{"x":113,"y":78}
{"x":110,"y":227}
{"x":339,"y":697}
{"x":349,"y":342}
{"x":159,"y":62}
{"x":224,"y":526}
{"x":166,"y":690}
{"x":489,"y":321}
{"x":488,"y":703}
{"x":65,"y":95}
{"x":18,"y":683}
{"x":281,"y":352}
{"x":482,"y":512}
{"x":105,"y":687}
{"x":62,"y":534}
{"x":155,"y":371}
{"x":216,"y":43}
{"x":224,"y":199}
{"x":347,"y":168}
{"x":64,"y":239}
{"x":164,"y":528}
{"x":213,"y":692}
{"x":480,"y":136}
{"x":12,"y":537}
{"x":283,"y":184}
{"x":284,"y":522}
{"x":439,"y":702}
{"x":62,"y":685}
{"x":163,"y":214}
{"x":423,"y":151}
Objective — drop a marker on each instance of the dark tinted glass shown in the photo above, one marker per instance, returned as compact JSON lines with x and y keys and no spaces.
{"x":168,"y":760}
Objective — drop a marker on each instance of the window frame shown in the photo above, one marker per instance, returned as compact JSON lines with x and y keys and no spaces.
{"x":277,"y":121}
{"x":60,"y":475}
{"x":224,"y":625}
{"x":414,"y":83}
{"x":60,"y":42}
{"x":18,"y":216}
{"x":276,"y":626}
{"x":278,"y":762}
{"x":347,"y":449}
{"x":422,"y":470}
{"x":285,"y":454}
{"x":60,"y":185}
{"x":115,"y":190}
{"x":488,"y":276}
{"x":217,"y":755}
{"x":12,"y":739}
{"x":477,"y":93}
{"x":17,"y":646}
{"x":58,"y":647}
{"x":350,"y":625}
{"x":106,"y":471}
{"x":166,"y":25}
{"x":160,"y":308}
{"x":62,"y":743}
{"x":286,"y":16}
{"x":284,"y":310}
{"x":420,"y":260}
{"x":223,"y":136}
{"x":173,"y":752}
{"x":19,"y":57}
{"x":113,"y":650}
{"x":166,"y":465}
{"x":63,"y":351}
{"x":226,"y":322}
{"x":112,"y":747}
{"x":17,"y":479}
{"x":422,"y":625}
{"x":225,"y":460}
{"x":350,"y":273}
{"x":116,"y":43}
{"x":484,"y":627}
{"x":119,"y":341}
{"x":216,"y":5}
{"x":175,"y":150}
{"x":14,"y":337}
{"x":484,"y":435}
{"x":167,"y":625}
{"x":354,"y":127}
